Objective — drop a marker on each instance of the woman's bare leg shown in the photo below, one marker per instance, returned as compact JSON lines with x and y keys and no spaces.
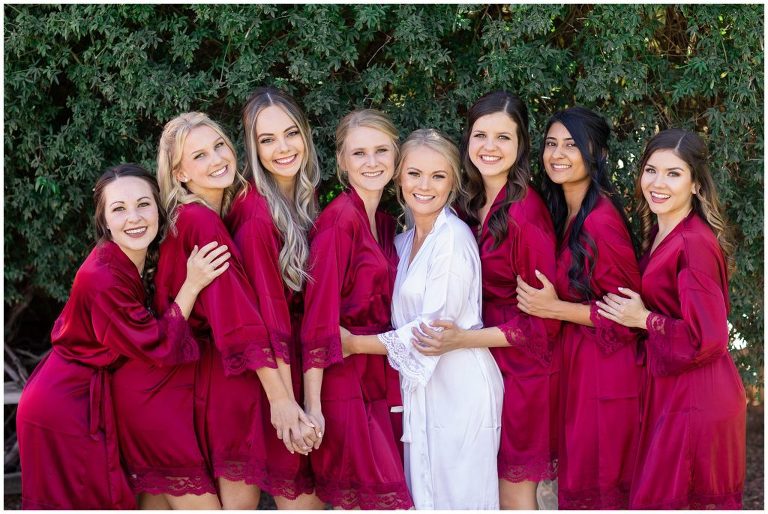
{"x":518,"y":495}
{"x":207,"y":501}
{"x":148,"y":501}
{"x":238,"y":495}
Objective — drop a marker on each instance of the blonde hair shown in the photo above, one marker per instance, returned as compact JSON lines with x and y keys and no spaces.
{"x":369,"y":118}
{"x":169,"y":153}
{"x":440,"y":143}
{"x":692,"y":149}
{"x":293,"y":218}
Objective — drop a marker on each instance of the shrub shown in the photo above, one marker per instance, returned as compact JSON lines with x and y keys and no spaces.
{"x":87,"y":86}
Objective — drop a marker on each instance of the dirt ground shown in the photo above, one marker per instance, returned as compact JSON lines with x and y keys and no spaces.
{"x":753,"y":488}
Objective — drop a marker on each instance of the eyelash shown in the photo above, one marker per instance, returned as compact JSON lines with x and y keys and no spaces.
{"x":482,"y":136}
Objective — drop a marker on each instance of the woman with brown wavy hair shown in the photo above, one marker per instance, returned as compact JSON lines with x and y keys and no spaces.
{"x":692,"y":445}
{"x":516,"y":238}
{"x":67,"y":423}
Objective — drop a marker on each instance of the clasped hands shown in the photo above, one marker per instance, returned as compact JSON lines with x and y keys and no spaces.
{"x":300,"y":431}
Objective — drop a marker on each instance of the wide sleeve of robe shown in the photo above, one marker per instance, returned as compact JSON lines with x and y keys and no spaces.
{"x":259,"y":244}
{"x":615,"y":266}
{"x":329,"y":259}
{"x":532,"y":242}
{"x":106,"y":317}
{"x":452,"y":282}
{"x":227,"y":304}
{"x":700,"y":336}
{"x":125,"y":326}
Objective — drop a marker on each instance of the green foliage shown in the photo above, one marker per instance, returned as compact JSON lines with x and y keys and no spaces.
{"x":87,"y":86}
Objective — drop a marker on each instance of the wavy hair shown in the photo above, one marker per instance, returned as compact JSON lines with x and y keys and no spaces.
{"x":692,"y":149}
{"x":100,"y":219}
{"x":518,"y":176}
{"x":293,"y":217}
{"x":590,"y":132}
{"x":440,"y":143}
{"x":370,"y":118}
{"x":169,"y":154}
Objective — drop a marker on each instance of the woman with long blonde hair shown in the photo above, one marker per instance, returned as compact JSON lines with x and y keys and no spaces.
{"x":198,"y":177}
{"x":692,"y":451}
{"x":269,"y":223}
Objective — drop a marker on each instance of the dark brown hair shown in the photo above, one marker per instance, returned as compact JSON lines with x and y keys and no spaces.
{"x":519,"y":175}
{"x":692,"y":149}
{"x":100,"y":220}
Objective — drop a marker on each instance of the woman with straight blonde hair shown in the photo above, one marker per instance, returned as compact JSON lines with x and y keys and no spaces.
{"x":269,"y":224}
{"x":352,"y":266}
{"x":452,"y":402}
{"x":197,"y":172}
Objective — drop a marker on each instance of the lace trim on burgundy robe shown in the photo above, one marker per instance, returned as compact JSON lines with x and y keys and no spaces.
{"x":535,"y":345}
{"x":253,"y":357}
{"x":610,"y":336}
{"x":174,"y":327}
{"x":326,"y":354}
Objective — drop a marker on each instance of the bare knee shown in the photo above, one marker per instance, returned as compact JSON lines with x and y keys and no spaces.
{"x":207,"y":501}
{"x":517,"y":495}
{"x":148,"y":501}
{"x":238,"y":495}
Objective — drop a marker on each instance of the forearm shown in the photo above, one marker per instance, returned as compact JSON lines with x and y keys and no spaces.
{"x":313,"y":383}
{"x":489,"y":337}
{"x":284,"y":370}
{"x":273,"y":384}
{"x":367,"y":344}
{"x":186,"y":298}
{"x":573,"y":312}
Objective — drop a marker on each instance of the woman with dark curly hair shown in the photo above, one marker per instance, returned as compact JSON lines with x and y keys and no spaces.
{"x":599,"y":417}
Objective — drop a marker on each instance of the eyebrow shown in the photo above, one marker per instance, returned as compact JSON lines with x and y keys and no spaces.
{"x":504,"y":132}
{"x":138,"y":200}
{"x":363,"y":148}
{"x":203,"y":149}
{"x":413,"y":168}
{"x":292,"y":127}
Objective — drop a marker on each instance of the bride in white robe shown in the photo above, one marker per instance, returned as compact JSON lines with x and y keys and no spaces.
{"x":452,"y":403}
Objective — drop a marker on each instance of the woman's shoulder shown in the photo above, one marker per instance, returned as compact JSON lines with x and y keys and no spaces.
{"x":194,"y":213}
{"x":605,"y":219}
{"x":455,"y":233}
{"x":698,"y":244}
{"x":105,"y":268}
{"x":249,"y":206}
{"x":531,"y":210}
{"x":340,"y":214}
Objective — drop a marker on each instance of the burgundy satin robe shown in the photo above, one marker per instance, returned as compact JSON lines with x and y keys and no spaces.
{"x":66,"y":420}
{"x":599,"y":378}
{"x":193,"y":423}
{"x":353,"y":276}
{"x":693,"y":442}
{"x":528,"y":429}
{"x":259,"y":243}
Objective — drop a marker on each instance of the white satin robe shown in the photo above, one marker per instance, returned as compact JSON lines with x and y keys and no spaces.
{"x":452,"y":403}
